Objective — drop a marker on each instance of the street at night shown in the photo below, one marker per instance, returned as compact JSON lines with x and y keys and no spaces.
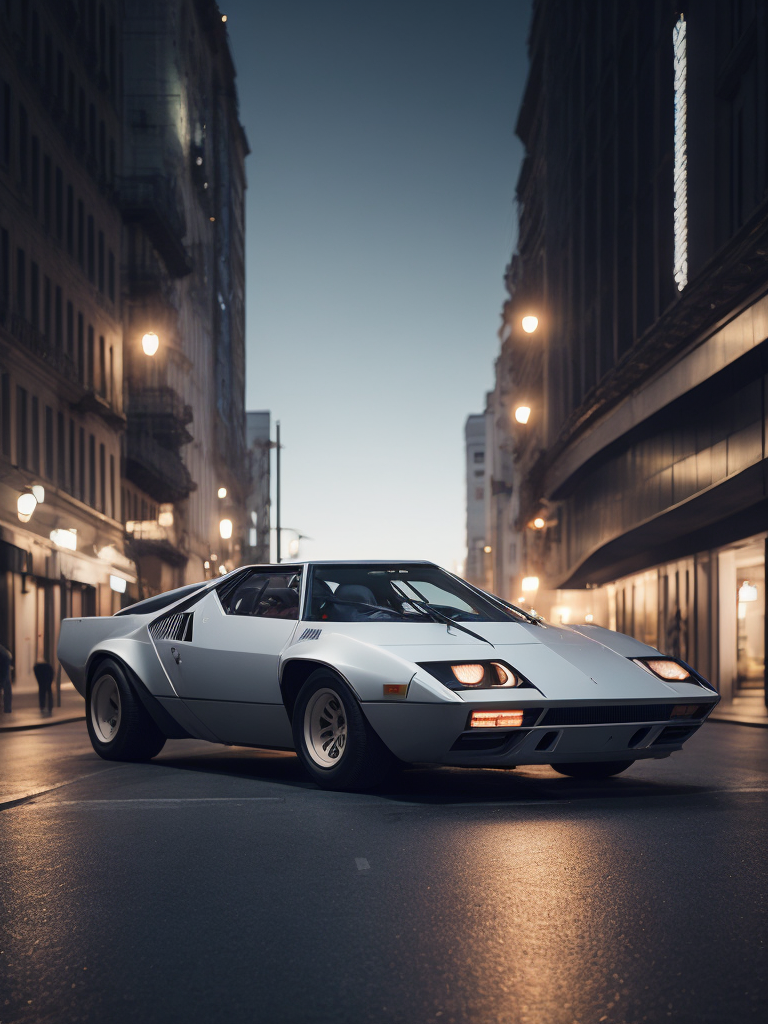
{"x":218,"y":884}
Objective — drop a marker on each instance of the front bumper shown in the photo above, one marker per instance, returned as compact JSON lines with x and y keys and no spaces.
{"x":440,"y":733}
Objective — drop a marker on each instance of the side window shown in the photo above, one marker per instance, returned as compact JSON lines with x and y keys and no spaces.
{"x":266,"y":595}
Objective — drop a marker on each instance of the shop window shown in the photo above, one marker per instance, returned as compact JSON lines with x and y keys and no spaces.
{"x":750,"y":632}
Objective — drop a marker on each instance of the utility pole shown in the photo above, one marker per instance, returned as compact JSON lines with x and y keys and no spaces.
{"x":277,"y":445}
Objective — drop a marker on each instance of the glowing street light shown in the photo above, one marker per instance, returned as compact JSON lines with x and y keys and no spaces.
{"x":530,"y":584}
{"x":150,"y":343}
{"x":530,"y":323}
{"x":225,"y":529}
{"x":522,"y":413}
{"x":538,"y":523}
{"x":487,"y":549}
{"x":222,"y":492}
{"x":25,"y":506}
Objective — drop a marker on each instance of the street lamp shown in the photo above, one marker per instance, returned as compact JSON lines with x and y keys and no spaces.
{"x":150,"y":343}
{"x":25,"y":506}
{"x":530,"y":323}
{"x":222,"y":492}
{"x":538,"y":523}
{"x":522,"y":413}
{"x":225,"y":529}
{"x":530,"y":584}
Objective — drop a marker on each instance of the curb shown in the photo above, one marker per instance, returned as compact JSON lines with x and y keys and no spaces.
{"x":739,"y":721}
{"x":41,"y":725}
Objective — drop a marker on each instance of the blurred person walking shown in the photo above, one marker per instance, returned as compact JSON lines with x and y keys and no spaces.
{"x":44,"y":676}
{"x":6,"y":662}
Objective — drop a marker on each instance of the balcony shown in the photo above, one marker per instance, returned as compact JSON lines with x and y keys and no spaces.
{"x":157,"y":470}
{"x":151,"y":201}
{"x":34,"y":341}
{"x":161,"y":413}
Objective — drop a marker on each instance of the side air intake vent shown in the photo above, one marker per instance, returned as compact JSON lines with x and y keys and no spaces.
{"x":172,"y":627}
{"x":310,"y":634}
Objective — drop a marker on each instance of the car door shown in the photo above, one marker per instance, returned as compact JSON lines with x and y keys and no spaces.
{"x":226,"y":670}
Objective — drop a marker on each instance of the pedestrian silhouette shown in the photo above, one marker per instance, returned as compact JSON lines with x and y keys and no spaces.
{"x":44,"y":677}
{"x":6,"y":660}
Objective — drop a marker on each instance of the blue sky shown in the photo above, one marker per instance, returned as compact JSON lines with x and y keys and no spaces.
{"x":380,"y":217}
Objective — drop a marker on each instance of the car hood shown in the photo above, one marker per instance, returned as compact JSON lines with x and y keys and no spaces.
{"x":561,"y":662}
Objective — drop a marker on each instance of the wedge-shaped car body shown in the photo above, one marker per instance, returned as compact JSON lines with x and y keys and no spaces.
{"x":360,"y":665}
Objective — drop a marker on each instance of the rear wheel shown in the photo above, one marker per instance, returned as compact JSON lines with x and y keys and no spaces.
{"x":118,"y":724}
{"x":333,"y":740}
{"x":592,"y":769}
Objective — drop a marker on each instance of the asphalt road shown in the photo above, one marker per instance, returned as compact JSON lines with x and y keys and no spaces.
{"x":217,"y":885}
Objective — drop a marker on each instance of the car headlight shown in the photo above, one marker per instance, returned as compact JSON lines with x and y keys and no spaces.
{"x":668,"y":669}
{"x":475,"y":675}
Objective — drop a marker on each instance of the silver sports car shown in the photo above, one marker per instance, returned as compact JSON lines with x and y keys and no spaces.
{"x":360,"y":665}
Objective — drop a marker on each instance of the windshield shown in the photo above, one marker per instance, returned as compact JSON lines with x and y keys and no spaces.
{"x":397,"y":593}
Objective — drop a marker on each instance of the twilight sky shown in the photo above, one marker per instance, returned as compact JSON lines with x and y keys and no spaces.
{"x":380,"y":217}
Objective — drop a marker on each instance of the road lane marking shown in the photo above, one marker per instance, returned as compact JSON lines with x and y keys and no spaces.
{"x":362,"y":864}
{"x":21,"y":798}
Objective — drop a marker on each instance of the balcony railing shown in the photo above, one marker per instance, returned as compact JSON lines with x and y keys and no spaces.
{"x":150,"y":200}
{"x":31,"y":338}
{"x":157,"y":470}
{"x":161,"y":413}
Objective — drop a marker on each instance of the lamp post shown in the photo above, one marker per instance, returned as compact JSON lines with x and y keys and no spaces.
{"x":277,"y":488}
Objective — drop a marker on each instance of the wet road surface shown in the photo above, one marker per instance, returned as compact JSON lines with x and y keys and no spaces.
{"x":217,"y":884}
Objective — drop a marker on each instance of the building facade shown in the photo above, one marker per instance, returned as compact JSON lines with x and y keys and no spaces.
{"x":182,"y":196}
{"x":474,"y":449}
{"x":61,"y":335}
{"x":640,"y":472}
{"x":122,"y":187}
{"x":258,"y":504}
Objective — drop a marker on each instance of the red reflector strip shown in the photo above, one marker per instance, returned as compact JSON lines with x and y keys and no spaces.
{"x":395,"y":689}
{"x":495,"y":719}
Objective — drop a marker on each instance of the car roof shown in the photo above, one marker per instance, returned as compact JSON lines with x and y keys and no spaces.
{"x":339,"y":561}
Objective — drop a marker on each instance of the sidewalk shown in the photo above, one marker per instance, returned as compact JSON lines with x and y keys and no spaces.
{"x":26,"y":710}
{"x":743,"y":711}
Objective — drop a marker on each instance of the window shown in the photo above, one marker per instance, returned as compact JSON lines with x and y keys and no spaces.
{"x":92,"y":471}
{"x":101,"y":261}
{"x":81,"y":114}
{"x":72,"y":477}
{"x":92,"y":131}
{"x":80,"y":348}
{"x":111,"y":381}
{"x":48,"y":442}
{"x":91,"y":250}
{"x":58,"y":322}
{"x":91,"y":355}
{"x":59,"y":204}
{"x":5,"y":123}
{"x":22,"y":426}
{"x":21,"y":283}
{"x":35,"y":176}
{"x":35,"y":435}
{"x":102,"y":149}
{"x":47,"y":308}
{"x":70,"y":220}
{"x":102,"y":367}
{"x":80,"y":233}
{"x":47,"y":193}
{"x":264,"y":595}
{"x":5,"y":415}
{"x":34,"y":295}
{"x":478,"y":457}
{"x":5,"y":270}
{"x":70,"y":331}
{"x":81,"y":460}
{"x":103,"y":478}
{"x":111,"y":276}
{"x":23,"y":129}
{"x":61,"y":442}
{"x":112,"y":510}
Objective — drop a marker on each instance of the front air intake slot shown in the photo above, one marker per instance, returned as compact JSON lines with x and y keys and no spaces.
{"x":615,"y":715}
{"x":177,"y":626}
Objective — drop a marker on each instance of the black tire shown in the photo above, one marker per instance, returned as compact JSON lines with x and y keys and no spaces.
{"x":355,"y":758}
{"x":592,"y":769}
{"x":129,"y":734}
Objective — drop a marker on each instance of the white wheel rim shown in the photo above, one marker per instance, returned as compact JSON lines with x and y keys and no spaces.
{"x":325,"y":728}
{"x":105,"y":708}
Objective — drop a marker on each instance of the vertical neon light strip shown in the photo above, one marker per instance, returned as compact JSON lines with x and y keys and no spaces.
{"x":681,"y":155}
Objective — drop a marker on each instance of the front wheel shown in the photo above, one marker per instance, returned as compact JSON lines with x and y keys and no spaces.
{"x":334,"y":742}
{"x":118,"y":724}
{"x":592,"y":769}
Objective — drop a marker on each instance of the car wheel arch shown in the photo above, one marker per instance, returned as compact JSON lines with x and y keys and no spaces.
{"x":296,"y":672}
{"x":159,"y":715}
